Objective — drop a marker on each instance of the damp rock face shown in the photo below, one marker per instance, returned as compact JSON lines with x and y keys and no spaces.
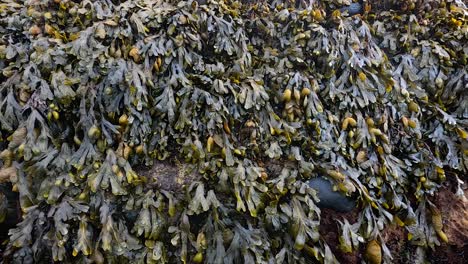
{"x":9,"y":211}
{"x":329,"y":198}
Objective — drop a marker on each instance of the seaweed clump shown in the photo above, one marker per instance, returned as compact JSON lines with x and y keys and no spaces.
{"x":246,"y":102}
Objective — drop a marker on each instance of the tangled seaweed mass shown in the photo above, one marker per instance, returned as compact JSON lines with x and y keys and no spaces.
{"x":235,"y":106}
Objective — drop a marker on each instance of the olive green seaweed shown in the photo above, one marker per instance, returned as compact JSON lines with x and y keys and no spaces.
{"x":158,"y":131}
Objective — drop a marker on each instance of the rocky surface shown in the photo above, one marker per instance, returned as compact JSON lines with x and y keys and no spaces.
{"x":329,"y":198}
{"x":454,"y":212}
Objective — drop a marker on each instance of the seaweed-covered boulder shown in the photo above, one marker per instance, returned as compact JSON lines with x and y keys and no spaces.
{"x":186,"y":131}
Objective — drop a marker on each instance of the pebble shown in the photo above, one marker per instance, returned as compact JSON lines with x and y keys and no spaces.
{"x":329,"y":198}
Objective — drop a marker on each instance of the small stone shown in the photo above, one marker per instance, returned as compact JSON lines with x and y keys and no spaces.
{"x":329,"y":198}
{"x":352,"y":9}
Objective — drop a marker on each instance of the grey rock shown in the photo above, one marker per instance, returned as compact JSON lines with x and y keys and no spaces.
{"x":329,"y":198}
{"x":352,"y":9}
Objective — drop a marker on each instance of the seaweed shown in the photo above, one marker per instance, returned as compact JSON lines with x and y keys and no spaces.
{"x":235,"y":106}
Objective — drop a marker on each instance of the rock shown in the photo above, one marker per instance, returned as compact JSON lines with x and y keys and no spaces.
{"x":352,"y":9}
{"x":9,"y":209}
{"x":329,"y":198}
{"x":454,"y":211}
